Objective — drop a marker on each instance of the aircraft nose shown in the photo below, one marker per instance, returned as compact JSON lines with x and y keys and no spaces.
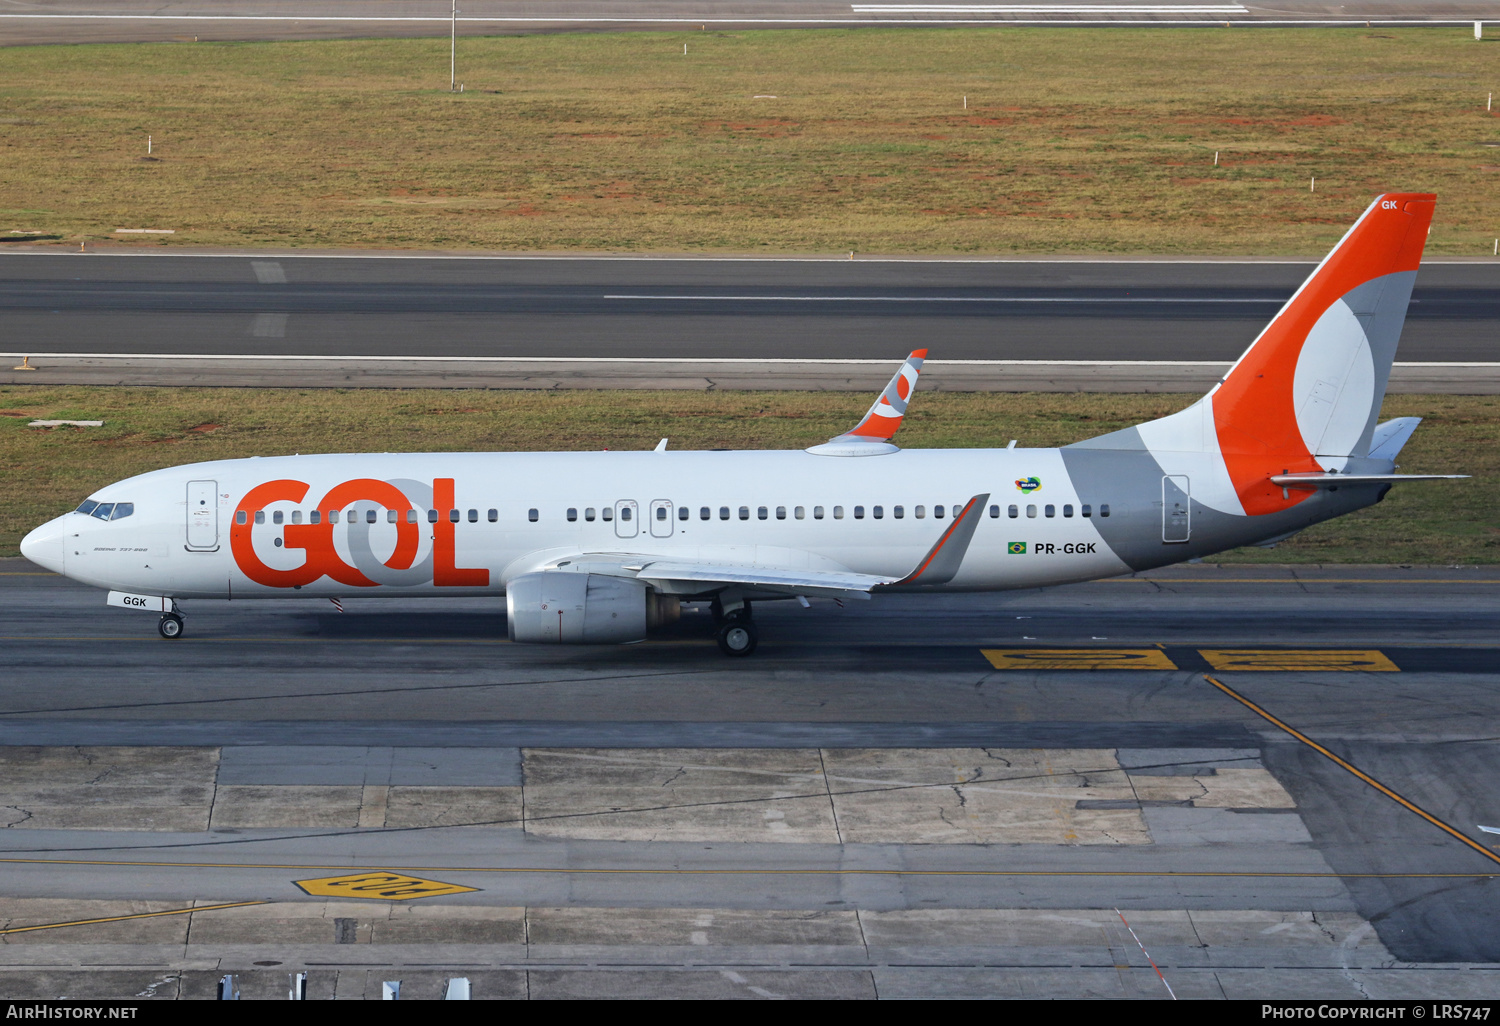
{"x":45,"y":547}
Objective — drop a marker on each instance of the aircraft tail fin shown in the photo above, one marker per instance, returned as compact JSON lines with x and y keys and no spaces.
{"x":1311,"y":384}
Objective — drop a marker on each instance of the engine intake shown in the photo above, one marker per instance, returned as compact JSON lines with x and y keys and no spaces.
{"x":581,"y":609}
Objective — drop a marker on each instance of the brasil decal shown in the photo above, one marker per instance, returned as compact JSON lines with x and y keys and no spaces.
{"x":1027,"y":485}
{"x":1016,"y":548}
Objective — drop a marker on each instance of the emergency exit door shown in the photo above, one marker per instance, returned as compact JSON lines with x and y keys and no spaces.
{"x":661,"y":518}
{"x":627,"y":525}
{"x":203,"y":515}
{"x":1176,"y":508}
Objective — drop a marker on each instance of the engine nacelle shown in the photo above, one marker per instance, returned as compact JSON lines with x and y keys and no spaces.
{"x":577,"y":609}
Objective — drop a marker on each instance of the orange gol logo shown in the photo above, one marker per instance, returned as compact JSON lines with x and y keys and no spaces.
{"x":323,"y":559}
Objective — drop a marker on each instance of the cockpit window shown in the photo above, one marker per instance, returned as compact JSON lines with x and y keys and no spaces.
{"x":122,"y":510}
{"x":88,"y":506}
{"x":103,"y":510}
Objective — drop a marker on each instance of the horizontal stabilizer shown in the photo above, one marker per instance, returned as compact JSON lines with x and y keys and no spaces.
{"x":1386,"y":442}
{"x":1334,"y":480}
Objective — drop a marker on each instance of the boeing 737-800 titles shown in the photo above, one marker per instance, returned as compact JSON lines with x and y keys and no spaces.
{"x":598,"y":547}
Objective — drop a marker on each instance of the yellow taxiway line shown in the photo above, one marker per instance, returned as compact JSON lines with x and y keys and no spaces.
{"x":137,"y":915}
{"x":1361,"y":774}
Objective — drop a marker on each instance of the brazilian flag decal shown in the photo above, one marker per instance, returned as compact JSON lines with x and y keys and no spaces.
{"x":1016,"y":548}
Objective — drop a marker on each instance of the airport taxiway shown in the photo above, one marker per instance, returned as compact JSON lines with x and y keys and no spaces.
{"x":897,"y":797}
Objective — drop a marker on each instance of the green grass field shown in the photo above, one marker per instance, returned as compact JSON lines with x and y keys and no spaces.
{"x":48,"y":471}
{"x":1074,"y":140}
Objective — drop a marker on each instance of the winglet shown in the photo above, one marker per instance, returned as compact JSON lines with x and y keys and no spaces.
{"x":872,"y":435}
{"x":942,"y":561}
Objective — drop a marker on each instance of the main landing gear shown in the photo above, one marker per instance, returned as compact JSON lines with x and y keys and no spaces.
{"x":737,"y":635}
{"x":170,"y":626}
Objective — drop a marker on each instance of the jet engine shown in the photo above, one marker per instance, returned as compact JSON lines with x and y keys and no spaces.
{"x":583,"y":609}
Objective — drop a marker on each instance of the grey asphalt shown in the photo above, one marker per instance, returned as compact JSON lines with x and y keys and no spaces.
{"x":79,"y":21}
{"x":897,"y":673}
{"x":689,"y":309}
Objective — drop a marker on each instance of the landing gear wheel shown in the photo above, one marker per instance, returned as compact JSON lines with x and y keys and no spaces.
{"x":170,"y":627}
{"x":738,"y":637}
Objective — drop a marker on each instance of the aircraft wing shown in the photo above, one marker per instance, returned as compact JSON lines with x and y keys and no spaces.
{"x":830,"y":583}
{"x":939,"y":566}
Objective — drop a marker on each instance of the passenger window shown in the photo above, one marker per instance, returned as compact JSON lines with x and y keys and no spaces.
{"x":723,"y":512}
{"x":452,"y":516}
{"x":316,"y":516}
{"x":920,"y":512}
{"x":1088,"y":510}
{"x":780,"y":512}
{"x":1104,"y":509}
{"x":1049,"y":510}
{"x":744,"y":512}
{"x":260,"y":516}
{"x":704,"y":513}
{"x":1031,"y":511}
{"x":937,"y":511}
{"x":879,"y":512}
{"x":532,"y":515}
{"x":624,"y":512}
{"x":661,"y":512}
{"x":800,"y":512}
{"x":473,"y":516}
{"x":1013,"y":511}
{"x":898,"y":512}
{"x":390,"y":516}
{"x":354,"y":516}
{"x":494,"y":515}
{"x":572,"y":514}
{"x":607,"y":514}
{"x":333,"y":516}
{"x":682,"y":512}
{"x":760,"y":512}
{"x":817,"y":512}
{"x":240,"y":516}
{"x":370,"y":516}
{"x":86,"y":507}
{"x":1067,"y":509}
{"x":859,"y":512}
{"x":838,"y":512}
{"x":994,"y":512}
{"x":432,"y":516}
{"x":296,"y":516}
{"x":276,"y":517}
{"x":588,"y":514}
{"x":411,"y":516}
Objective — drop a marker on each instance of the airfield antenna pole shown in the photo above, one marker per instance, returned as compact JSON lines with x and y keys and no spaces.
{"x":453,"y":48}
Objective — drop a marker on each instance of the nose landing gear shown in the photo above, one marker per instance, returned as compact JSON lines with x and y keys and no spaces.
{"x":170,"y":626}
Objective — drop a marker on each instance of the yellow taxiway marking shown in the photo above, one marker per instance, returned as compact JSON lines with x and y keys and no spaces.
{"x":1361,"y":774}
{"x":136,"y":915}
{"x":379,"y":884}
{"x":1078,"y":659}
{"x":1298,"y":659}
{"x":772,"y":871}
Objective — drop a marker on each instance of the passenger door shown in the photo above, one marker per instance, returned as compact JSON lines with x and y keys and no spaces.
{"x":661,"y":518}
{"x":1176,"y":509}
{"x":627,"y":524}
{"x":203,"y":516}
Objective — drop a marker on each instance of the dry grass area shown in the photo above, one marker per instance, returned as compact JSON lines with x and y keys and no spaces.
{"x":48,"y":471}
{"x":1074,"y":140}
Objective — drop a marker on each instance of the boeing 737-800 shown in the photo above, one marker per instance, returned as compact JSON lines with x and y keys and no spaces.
{"x":598,"y":547}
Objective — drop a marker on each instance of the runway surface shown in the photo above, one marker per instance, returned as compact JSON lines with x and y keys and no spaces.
{"x":1391,"y":669}
{"x":131,"y":318}
{"x":74,"y":21}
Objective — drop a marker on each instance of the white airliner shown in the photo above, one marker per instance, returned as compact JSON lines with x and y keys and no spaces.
{"x":599,"y":547}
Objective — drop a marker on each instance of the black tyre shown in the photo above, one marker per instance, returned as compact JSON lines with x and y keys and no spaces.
{"x":170,"y":627}
{"x":738,"y":637}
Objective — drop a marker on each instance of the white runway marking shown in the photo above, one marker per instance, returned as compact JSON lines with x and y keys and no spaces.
{"x":940,"y":299}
